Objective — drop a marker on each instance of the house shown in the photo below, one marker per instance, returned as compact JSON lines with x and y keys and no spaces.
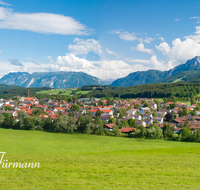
{"x":13,"y":113}
{"x":45,"y":116}
{"x":158,"y":119}
{"x":93,"y":112}
{"x":29,"y":99}
{"x":108,"y":107}
{"x":148,"y":121}
{"x":109,"y":126}
{"x":137,"y":117}
{"x":179,"y":121}
{"x":132,"y":111}
{"x":153,"y":105}
{"x":147,"y":116}
{"x":143,"y":110}
{"x":105,"y":117}
{"x":126,"y":129}
{"x":107,"y":111}
{"x":140,"y":123}
{"x":161,"y":114}
{"x":169,"y":103}
{"x":177,"y":130}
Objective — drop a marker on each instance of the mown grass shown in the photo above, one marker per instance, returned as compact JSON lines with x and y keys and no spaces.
{"x":55,"y":92}
{"x":61,"y":92}
{"x":97,"y":162}
{"x":178,"y":80}
{"x":188,"y":102}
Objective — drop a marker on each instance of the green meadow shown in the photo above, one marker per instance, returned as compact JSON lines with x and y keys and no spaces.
{"x":77,"y":161}
{"x":61,"y":92}
{"x":188,"y":102}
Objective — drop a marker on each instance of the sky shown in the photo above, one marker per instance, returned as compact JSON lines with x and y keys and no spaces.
{"x":105,"y":38}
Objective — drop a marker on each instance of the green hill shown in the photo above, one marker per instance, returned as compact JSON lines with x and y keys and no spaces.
{"x":5,"y":86}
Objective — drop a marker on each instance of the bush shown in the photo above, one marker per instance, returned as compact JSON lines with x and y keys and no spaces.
{"x":175,"y":137}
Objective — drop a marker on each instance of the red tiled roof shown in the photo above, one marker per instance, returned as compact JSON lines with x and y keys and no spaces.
{"x":108,"y":106}
{"x":106,"y":111}
{"x":177,"y":129}
{"x":109,"y":125}
{"x":58,"y":108}
{"x":43,"y":116}
{"x":169,"y":102}
{"x":93,"y":110}
{"x":29,"y":98}
{"x":126,"y":129}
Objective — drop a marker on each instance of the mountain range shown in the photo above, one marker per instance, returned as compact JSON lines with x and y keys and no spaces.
{"x":188,"y":72}
{"x":58,"y":80}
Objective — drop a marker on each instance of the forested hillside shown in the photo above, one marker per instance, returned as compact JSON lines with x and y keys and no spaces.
{"x":150,"y":91}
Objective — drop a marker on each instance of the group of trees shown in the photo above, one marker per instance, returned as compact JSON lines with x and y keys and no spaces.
{"x":171,"y":90}
{"x":154,"y":132}
{"x":65,"y":124}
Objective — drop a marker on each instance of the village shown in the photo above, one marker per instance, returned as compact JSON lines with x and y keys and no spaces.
{"x":139,"y":112}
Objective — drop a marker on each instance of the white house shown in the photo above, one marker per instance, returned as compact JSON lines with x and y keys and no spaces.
{"x":153,"y":105}
{"x":158,"y":119}
{"x":137,"y":117}
{"x":143,"y":110}
{"x":140,"y":123}
{"x":132,"y":111}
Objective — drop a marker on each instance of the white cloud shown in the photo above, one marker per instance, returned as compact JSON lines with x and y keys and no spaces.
{"x":84,"y":47}
{"x":4,"y":3}
{"x":111,"y":52}
{"x":113,"y":69}
{"x":148,"y":40}
{"x":131,"y":36}
{"x":70,"y":61}
{"x":180,"y":51}
{"x":0,"y":51}
{"x":50,"y":59}
{"x":158,"y":65}
{"x":139,"y":61}
{"x":161,"y":38}
{"x":125,"y":35}
{"x":196,"y":35}
{"x":104,"y":69}
{"x":164,"y":48}
{"x":41,"y":23}
{"x":128,"y":36}
{"x":153,"y":63}
{"x":178,"y":20}
{"x":194,"y":17}
{"x":140,"y":47}
{"x":115,"y":31}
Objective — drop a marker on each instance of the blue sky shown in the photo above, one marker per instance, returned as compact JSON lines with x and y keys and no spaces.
{"x":107,"y":38}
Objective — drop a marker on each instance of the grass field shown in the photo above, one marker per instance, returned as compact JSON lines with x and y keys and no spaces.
{"x":178,"y":80}
{"x":64,"y":92}
{"x":97,"y":162}
{"x":188,"y":103}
